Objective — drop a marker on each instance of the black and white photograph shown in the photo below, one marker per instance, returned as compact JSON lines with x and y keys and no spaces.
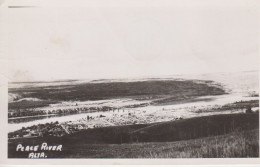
{"x":128,"y":79}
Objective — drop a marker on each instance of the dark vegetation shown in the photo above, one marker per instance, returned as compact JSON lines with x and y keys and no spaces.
{"x":112,"y":142}
{"x":173,"y":90}
{"x":232,"y":106}
{"x":242,"y":104}
{"x":24,"y":104}
{"x":30,"y":112}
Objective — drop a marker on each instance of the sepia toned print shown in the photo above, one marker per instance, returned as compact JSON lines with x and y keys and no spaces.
{"x":127,"y":80}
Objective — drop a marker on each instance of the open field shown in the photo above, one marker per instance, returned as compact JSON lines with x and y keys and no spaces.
{"x":240,"y":139}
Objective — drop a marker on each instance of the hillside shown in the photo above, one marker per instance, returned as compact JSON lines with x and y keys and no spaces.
{"x":233,"y":145}
{"x":102,"y":142}
{"x":173,"y":90}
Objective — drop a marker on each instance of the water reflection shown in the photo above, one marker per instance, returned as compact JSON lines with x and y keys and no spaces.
{"x":35,"y":118}
{"x":28,"y":119}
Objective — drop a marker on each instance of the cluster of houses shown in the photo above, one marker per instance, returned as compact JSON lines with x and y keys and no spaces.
{"x":40,"y":130}
{"x":70,"y":127}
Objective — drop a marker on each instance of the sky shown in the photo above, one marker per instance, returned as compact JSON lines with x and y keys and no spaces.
{"x":56,"y":39}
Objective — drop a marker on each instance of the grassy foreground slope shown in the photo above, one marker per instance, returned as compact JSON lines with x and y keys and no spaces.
{"x":233,"y":145}
{"x":233,"y":135}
